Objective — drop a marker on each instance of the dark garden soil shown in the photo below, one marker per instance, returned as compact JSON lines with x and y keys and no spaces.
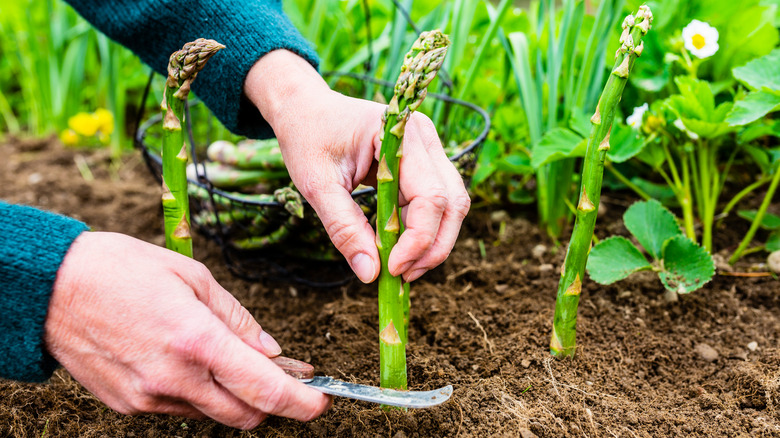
{"x":481,"y":324}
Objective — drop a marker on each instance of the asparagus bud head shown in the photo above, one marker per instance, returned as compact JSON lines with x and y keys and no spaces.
{"x":184,"y":64}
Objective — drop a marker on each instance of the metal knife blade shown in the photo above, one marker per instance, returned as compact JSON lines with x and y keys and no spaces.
{"x":390,"y":397}
{"x":304,"y":372}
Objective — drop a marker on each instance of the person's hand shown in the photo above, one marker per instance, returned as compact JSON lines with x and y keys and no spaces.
{"x":330,"y":144}
{"x":150,"y":331}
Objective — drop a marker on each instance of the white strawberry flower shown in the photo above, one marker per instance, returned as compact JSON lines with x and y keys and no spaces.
{"x":700,"y":38}
{"x":635,"y":119}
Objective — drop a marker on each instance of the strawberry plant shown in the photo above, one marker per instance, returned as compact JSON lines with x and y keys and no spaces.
{"x":682,"y":265}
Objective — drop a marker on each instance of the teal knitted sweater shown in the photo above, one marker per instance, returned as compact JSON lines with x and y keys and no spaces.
{"x":32,"y":246}
{"x":32,"y":242}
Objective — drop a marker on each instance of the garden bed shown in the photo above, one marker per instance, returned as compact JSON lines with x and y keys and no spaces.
{"x":480,"y":324}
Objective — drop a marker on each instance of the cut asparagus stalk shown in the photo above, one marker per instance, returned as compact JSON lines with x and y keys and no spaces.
{"x":563,"y":343}
{"x":252,"y":154}
{"x":229,"y":177}
{"x":419,"y":68}
{"x":183,"y":67}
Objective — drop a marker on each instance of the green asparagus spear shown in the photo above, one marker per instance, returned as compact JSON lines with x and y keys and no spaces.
{"x":563,"y":343}
{"x":252,"y":154}
{"x":419,"y":68}
{"x":183,"y":67}
{"x":229,"y":177}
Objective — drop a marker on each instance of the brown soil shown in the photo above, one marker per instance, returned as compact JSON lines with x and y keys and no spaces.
{"x":480,"y":324}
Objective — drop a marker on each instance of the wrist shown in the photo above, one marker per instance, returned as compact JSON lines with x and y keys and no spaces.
{"x":281,"y":82}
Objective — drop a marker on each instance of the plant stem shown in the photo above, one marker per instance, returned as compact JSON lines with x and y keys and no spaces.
{"x":770,"y":193}
{"x":742,"y":193}
{"x":706,"y":185}
{"x":563,"y":342}
{"x":183,"y":67}
{"x":686,"y":202}
{"x":622,"y":178}
{"x":420,"y":67}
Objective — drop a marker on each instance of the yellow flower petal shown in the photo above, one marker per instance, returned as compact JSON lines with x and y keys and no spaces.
{"x":105,"y":120}
{"x":83,"y":124}
{"x":69,"y":137}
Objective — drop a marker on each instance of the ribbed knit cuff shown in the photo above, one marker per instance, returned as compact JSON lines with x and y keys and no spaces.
{"x":249,"y":29}
{"x":32,"y":246}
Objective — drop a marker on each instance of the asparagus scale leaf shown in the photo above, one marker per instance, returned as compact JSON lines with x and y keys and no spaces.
{"x":418,"y":70}
{"x":563,"y":342}
{"x":183,"y":67}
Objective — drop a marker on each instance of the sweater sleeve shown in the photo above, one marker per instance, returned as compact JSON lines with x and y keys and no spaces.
{"x":249,"y":29}
{"x":32,"y":246}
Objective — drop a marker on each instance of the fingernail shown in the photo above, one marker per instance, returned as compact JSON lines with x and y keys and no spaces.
{"x":270,"y":345}
{"x":405,"y":266}
{"x":416,"y":274}
{"x":364,"y":267}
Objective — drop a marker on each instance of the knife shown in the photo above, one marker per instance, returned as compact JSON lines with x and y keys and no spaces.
{"x":304,"y":372}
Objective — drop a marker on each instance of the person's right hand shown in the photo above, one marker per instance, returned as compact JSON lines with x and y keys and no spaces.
{"x":150,"y":331}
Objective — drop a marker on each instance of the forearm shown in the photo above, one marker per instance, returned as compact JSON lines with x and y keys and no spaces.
{"x":33,"y":244}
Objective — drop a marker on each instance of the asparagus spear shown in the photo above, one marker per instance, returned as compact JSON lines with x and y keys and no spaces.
{"x":183,"y":67}
{"x":254,"y":154}
{"x":419,"y":68}
{"x":224,"y":176}
{"x":563,"y":343}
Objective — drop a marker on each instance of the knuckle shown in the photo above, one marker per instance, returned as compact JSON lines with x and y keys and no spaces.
{"x":341,"y":233}
{"x":310,"y":188}
{"x":199,"y":274}
{"x":272,"y":399}
{"x":190,"y":342}
{"x":242,"y":318}
{"x":437,"y":197}
{"x":461,"y":204}
{"x":142,"y":404}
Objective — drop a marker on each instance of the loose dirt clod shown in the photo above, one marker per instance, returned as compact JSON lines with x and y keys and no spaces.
{"x":706,"y":352}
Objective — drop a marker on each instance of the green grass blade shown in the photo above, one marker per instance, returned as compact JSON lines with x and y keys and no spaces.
{"x":479,"y":56}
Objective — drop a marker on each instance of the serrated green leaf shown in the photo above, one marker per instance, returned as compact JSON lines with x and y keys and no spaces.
{"x":557,"y":144}
{"x":580,"y":122}
{"x":755,"y":131}
{"x":698,"y":101}
{"x":686,"y":265}
{"x":754,"y":106}
{"x":625,"y":143}
{"x":761,"y":72}
{"x":652,"y":224}
{"x":614,"y":259}
{"x":652,"y":155}
{"x":768,"y":222}
{"x":773,"y":242}
{"x":707,"y":129}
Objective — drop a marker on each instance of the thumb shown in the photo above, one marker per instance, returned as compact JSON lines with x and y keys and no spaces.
{"x":349,"y":230}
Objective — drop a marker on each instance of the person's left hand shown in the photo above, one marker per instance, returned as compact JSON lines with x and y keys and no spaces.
{"x":330,"y":144}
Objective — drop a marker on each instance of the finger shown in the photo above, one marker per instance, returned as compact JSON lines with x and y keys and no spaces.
{"x":251,"y":376}
{"x":422,"y":186}
{"x":458,"y":204}
{"x":219,"y":404}
{"x":227,"y":308}
{"x":348,"y":229}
